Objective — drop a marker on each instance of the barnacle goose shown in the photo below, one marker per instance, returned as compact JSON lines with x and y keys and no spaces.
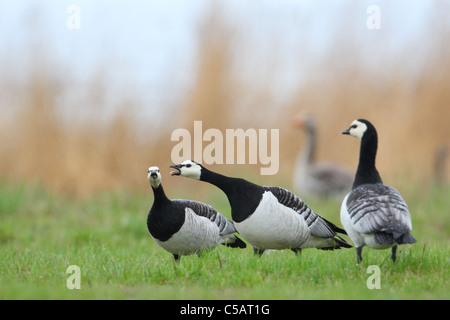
{"x":373,"y":214}
{"x":318,"y":178}
{"x":184,"y":227}
{"x":269,"y":217}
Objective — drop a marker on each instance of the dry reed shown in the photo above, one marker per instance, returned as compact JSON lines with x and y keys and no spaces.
{"x":83,"y":158}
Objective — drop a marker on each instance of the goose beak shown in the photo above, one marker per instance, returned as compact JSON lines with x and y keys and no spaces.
{"x":153,"y":175}
{"x":346,"y":131}
{"x":298,"y":121}
{"x":177,"y":172}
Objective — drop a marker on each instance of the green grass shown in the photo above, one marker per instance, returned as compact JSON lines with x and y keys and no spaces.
{"x":41,"y":235}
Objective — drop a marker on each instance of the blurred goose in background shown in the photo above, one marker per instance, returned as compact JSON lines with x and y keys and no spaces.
{"x":313,"y":178}
{"x":440,"y":164}
{"x":184,"y":227}
{"x":373,"y":214}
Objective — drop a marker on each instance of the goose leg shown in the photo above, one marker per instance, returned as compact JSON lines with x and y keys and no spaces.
{"x":176,"y":257}
{"x":358,"y":254}
{"x":394,"y":252}
{"x":296,"y":250}
{"x":258,"y":251}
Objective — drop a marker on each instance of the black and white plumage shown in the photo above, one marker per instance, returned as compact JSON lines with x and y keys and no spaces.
{"x":184,"y":227}
{"x":373,"y":214}
{"x":314,"y":178}
{"x":269,"y":217}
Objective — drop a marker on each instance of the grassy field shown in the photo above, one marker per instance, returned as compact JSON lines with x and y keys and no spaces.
{"x":41,"y":235}
{"x":80,"y":135}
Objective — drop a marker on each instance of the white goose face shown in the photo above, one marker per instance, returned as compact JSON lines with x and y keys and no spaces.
{"x":356,"y":129}
{"x":154,"y":176}
{"x":188,"y":168}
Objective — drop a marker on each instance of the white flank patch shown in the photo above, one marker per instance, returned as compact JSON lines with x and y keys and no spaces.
{"x":197,"y":234}
{"x":274,"y":226}
{"x":356,"y":237}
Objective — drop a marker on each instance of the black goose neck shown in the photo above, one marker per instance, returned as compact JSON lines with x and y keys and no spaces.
{"x":220,"y":181}
{"x":160,"y":195}
{"x":242,"y":195}
{"x":367,"y":172}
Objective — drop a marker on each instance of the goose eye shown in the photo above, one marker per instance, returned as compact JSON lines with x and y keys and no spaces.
{"x":354,"y":126}
{"x":188,"y":165}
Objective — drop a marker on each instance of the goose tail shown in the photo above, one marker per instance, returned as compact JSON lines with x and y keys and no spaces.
{"x":341,"y":242}
{"x":406,"y":238}
{"x":394,"y":237}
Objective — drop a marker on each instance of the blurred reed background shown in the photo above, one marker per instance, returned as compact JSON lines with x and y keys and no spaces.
{"x":105,"y":144}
